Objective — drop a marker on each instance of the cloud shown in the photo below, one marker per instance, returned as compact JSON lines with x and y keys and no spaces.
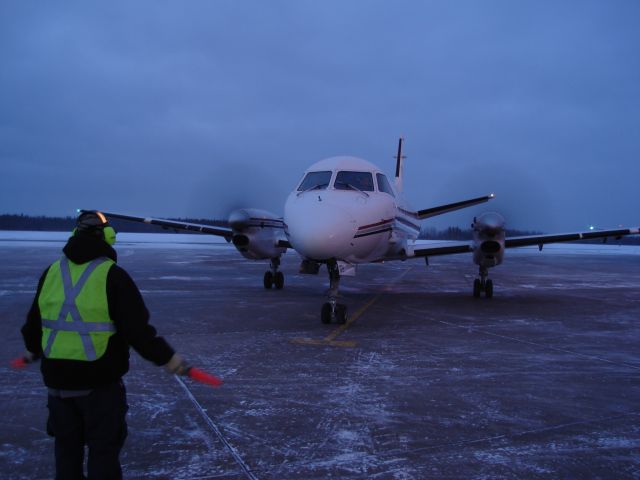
{"x":145,"y":105}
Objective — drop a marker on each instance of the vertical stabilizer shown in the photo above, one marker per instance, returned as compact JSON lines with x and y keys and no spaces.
{"x":399,"y":165}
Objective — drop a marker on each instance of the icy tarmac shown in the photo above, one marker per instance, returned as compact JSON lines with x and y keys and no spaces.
{"x":541,"y":382}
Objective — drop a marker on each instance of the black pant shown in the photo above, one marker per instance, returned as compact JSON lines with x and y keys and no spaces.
{"x":96,"y":420}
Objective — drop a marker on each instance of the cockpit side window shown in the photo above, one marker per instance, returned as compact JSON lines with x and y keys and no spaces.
{"x":354,"y":180}
{"x":383,"y":184}
{"x":315,"y":181}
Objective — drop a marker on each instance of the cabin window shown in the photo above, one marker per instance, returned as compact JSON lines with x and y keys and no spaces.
{"x":362,"y":181}
{"x":315,"y":181}
{"x":383,"y":184}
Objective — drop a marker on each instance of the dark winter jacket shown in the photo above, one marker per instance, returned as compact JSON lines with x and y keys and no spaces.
{"x":126,"y":309}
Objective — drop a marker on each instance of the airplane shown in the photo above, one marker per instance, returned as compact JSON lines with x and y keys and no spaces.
{"x":345,"y":212}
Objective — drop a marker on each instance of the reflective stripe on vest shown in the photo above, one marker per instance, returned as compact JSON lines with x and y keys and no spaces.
{"x":102,"y":326}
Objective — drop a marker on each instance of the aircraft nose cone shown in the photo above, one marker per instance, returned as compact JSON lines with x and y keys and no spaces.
{"x":321,"y":231}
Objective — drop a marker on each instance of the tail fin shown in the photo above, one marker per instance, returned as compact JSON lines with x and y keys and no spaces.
{"x":399,"y":165}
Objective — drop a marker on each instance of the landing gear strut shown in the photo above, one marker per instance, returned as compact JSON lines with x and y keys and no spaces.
{"x":274,"y":276}
{"x":483,"y":284}
{"x":332,"y":310}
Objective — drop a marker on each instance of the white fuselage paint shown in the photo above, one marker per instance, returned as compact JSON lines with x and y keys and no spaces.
{"x":349,"y":225}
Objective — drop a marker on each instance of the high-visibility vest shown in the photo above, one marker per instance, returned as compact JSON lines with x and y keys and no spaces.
{"x":75,"y":311}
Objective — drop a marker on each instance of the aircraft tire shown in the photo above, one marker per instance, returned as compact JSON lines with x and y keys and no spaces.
{"x":476,"y":288}
{"x":325,"y":313}
{"x":278,"y":280}
{"x":341,"y":313}
{"x":268,"y":279}
{"x":488,"y":288}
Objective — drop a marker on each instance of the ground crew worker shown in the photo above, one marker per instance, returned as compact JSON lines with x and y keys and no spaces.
{"x":86,"y":313}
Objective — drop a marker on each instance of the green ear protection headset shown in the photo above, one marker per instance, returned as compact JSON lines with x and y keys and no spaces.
{"x":109,"y":235}
{"x":107,"y":232}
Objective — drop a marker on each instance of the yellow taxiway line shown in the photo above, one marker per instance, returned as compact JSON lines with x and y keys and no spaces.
{"x":330,"y":340}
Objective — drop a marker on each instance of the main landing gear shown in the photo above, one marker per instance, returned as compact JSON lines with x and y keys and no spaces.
{"x":274,"y":276}
{"x":483,"y":284}
{"x":332,"y":310}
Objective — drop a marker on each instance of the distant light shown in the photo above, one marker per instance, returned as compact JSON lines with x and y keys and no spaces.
{"x":591,"y":227}
{"x":491,"y":195}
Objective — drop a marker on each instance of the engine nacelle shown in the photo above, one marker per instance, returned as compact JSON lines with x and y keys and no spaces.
{"x":488,"y":239}
{"x":256,"y":233}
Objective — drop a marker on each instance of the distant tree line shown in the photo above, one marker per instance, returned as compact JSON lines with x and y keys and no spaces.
{"x":66,"y":224}
{"x":457,"y":233}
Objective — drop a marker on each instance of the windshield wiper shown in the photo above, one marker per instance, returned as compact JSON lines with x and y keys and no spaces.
{"x":353,"y":187}
{"x":314,"y":187}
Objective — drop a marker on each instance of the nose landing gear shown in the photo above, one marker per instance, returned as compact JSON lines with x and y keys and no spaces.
{"x":274,"y":276}
{"x":483,"y":284}
{"x":332,"y":310}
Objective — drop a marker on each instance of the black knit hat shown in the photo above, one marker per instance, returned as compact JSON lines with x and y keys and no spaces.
{"x":91,"y":221}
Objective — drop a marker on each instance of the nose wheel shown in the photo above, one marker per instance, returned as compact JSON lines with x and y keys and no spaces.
{"x":332,"y":310}
{"x":483,"y":284}
{"x":274,"y":277}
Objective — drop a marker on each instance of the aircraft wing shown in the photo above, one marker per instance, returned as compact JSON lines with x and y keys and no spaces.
{"x":175,"y":224}
{"x":450,"y":207}
{"x":451,"y":248}
{"x":540,"y":240}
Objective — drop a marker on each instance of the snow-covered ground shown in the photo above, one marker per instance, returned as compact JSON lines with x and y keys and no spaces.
{"x":425,"y":381}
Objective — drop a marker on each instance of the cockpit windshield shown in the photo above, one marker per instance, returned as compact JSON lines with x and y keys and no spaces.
{"x":383,"y":184}
{"x":315,"y":181}
{"x":362,"y":181}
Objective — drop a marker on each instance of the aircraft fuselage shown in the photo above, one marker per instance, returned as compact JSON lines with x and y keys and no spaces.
{"x":352,"y":222}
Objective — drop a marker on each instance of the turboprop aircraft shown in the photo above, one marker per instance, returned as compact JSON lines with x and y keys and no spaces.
{"x":345,"y":212}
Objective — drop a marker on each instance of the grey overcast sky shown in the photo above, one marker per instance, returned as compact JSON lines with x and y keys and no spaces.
{"x":192,"y":108}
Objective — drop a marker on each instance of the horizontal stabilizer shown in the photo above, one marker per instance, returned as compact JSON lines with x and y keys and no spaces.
{"x":450,"y":207}
{"x":446,"y":249}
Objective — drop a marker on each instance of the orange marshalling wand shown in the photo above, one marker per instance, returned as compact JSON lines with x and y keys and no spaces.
{"x":204,"y":377}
